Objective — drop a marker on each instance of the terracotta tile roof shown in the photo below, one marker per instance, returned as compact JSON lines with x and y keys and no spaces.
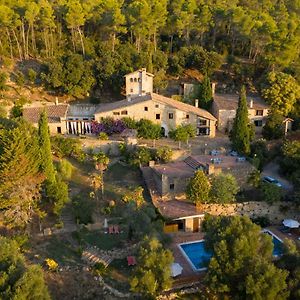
{"x":141,"y":70}
{"x":157,"y":98}
{"x":230,"y":102}
{"x":54,"y":112}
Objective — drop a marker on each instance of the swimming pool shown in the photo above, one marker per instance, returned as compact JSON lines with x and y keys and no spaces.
{"x":196,"y":254}
{"x":277,"y":242}
{"x":198,"y":257}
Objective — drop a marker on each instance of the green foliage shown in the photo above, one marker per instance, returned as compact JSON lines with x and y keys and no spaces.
{"x":148,"y":130}
{"x":206,"y":96}
{"x":183,"y":133}
{"x":164,"y":154}
{"x":20,"y":79}
{"x":3,"y":79}
{"x":240,"y":134}
{"x":135,"y":196}
{"x":19,"y":280}
{"x":66,"y":147}
{"x":141,"y":156}
{"x":70,"y":74}
{"x":46,"y":163}
{"x":271,"y":192}
{"x":263,"y":221}
{"x":16,"y":111}
{"x":198,"y":188}
{"x":290,"y":162}
{"x":65,"y":169}
{"x":130,"y":123}
{"x":242,"y":265}
{"x":31,"y":75}
{"x":3,"y":112}
{"x":152,"y":274}
{"x":254,"y":178}
{"x":83,"y":208}
{"x":273,"y":128}
{"x":259,"y":153}
{"x":224,"y":188}
{"x":20,"y":178}
{"x":281,"y":93}
{"x":103,"y":136}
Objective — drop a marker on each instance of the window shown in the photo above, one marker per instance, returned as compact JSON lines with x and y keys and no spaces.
{"x":58,"y":129}
{"x":124,"y":112}
{"x":157,"y":117}
{"x":139,"y":80}
{"x":259,"y":112}
{"x":258,"y":123}
{"x":135,"y":80}
{"x":131,"y":90}
{"x":171,"y":115}
{"x":202,"y":122}
{"x":172,"y":186}
{"x":146,"y":108}
{"x":116,"y":113}
{"x":131,"y":79}
{"x":187,"y":116}
{"x":156,"y":106}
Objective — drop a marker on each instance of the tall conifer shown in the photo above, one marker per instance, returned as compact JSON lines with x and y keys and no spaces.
{"x":46,"y":163}
{"x":240,"y":134}
{"x":206,"y":93}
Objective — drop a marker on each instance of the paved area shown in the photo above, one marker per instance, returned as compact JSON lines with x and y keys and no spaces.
{"x":272,"y":169}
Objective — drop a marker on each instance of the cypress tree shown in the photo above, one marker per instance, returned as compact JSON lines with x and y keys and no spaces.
{"x":46,"y":163}
{"x":206,"y":93}
{"x":240,"y":134}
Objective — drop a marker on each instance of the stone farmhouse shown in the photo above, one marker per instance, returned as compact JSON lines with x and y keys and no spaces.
{"x":142,"y":103}
{"x":57,"y":116}
{"x":224,"y":109}
{"x":171,"y":179}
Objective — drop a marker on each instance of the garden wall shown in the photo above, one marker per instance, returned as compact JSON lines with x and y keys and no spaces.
{"x":276,"y":212}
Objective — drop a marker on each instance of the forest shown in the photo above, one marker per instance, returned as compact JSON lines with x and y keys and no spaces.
{"x":83,"y":44}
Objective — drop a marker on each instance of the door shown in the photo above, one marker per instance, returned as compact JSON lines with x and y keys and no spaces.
{"x":195,"y":224}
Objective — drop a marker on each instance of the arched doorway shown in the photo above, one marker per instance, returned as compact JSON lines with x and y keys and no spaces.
{"x":164,"y":130}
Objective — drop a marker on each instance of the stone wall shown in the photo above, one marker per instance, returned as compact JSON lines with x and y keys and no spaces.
{"x":254,"y":209}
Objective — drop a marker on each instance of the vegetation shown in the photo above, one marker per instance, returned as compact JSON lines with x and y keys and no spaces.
{"x":19,"y":280}
{"x":183,"y":133}
{"x":164,"y":154}
{"x":273,"y":128}
{"x":240,"y":134}
{"x":148,"y":130}
{"x":242,"y":265}
{"x":198,"y":188}
{"x":271,"y":192}
{"x":206,"y":95}
{"x":82,"y":209}
{"x":152,"y":274}
{"x":223,"y":188}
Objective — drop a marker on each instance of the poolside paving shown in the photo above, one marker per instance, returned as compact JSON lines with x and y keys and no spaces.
{"x":178,"y":238}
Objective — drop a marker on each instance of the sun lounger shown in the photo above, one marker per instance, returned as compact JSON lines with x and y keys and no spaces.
{"x":111,"y":229}
{"x":116,"y":229}
{"x":131,"y":261}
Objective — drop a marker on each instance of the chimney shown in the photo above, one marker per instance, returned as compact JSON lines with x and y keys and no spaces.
{"x":196,"y":103}
{"x":213,"y":88}
{"x":56,"y":101}
{"x":251,"y":103}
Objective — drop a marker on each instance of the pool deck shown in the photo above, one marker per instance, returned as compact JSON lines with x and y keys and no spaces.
{"x":292,"y":235}
{"x":184,"y":237}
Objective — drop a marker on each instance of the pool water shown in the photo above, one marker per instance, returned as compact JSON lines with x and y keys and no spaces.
{"x":199,"y":257}
{"x":196,"y":254}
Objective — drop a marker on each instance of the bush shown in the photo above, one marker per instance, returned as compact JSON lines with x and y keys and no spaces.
{"x":83,"y":209}
{"x":141,"y":156}
{"x":103,"y":136}
{"x":164,"y":154}
{"x":16,"y":111}
{"x":271,"y":192}
{"x":148,"y":130}
{"x":65,"y":168}
{"x":69,"y":147}
{"x":31,"y":75}
{"x":129,"y":123}
{"x":261,"y":221}
{"x":20,"y":79}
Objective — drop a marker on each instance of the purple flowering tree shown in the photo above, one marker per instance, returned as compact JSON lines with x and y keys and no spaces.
{"x":109,"y":126}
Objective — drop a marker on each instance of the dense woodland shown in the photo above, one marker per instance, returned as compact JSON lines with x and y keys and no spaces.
{"x":106,"y":39}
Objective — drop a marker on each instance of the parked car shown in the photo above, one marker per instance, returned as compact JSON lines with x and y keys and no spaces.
{"x":272,"y":180}
{"x":241,"y":158}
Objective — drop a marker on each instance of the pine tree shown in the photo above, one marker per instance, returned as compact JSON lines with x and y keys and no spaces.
{"x":205,"y":93}
{"x":46,"y":163}
{"x":240,"y":134}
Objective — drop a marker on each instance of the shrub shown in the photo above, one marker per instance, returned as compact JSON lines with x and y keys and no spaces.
{"x":20,"y":79}
{"x":103,"y":136}
{"x":66,"y":147}
{"x":129,"y":123}
{"x":271,"y":192}
{"x":65,"y":168}
{"x":164,"y":154}
{"x":16,"y":111}
{"x":262,"y":221}
{"x":109,"y":126}
{"x":83,"y":209}
{"x":148,"y":130}
{"x":141,"y":156}
{"x":31,"y":75}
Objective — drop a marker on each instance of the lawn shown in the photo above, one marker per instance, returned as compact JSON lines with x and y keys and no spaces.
{"x":104,"y":241}
{"x":62,"y":252}
{"x":119,"y":274}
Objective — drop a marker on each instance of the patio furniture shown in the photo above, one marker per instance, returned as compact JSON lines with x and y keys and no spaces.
{"x":111,"y":229}
{"x":291,"y":223}
{"x":131,"y":261}
{"x":176,"y":269}
{"x":116,"y":229}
